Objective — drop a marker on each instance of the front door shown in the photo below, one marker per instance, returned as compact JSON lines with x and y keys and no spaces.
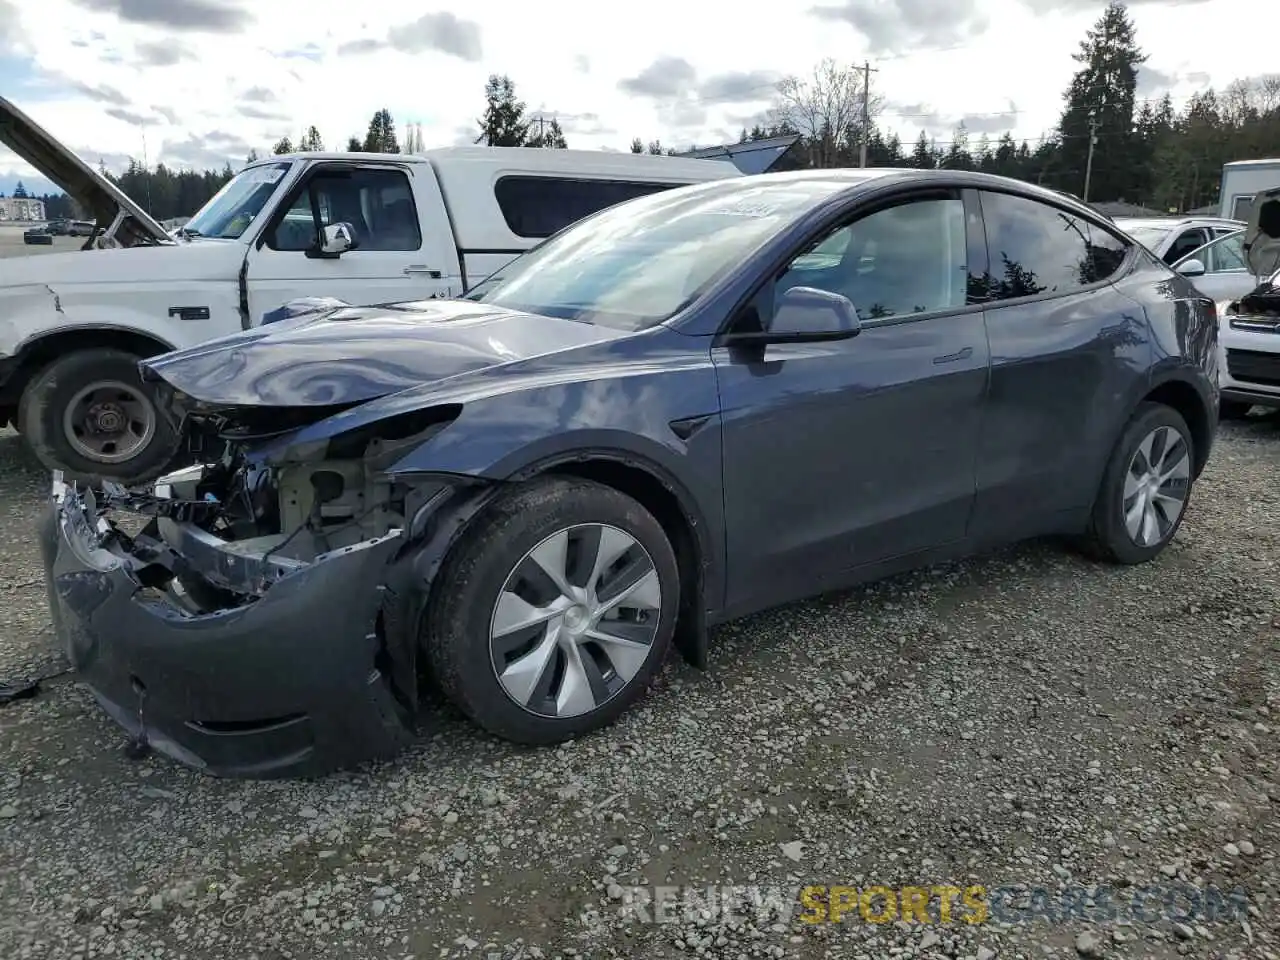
{"x":395,"y":256}
{"x":846,"y":453}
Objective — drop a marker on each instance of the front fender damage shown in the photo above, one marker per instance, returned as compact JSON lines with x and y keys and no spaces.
{"x":242,"y":653}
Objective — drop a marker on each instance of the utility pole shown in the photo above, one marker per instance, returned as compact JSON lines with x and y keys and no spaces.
{"x":866,"y":110}
{"x":540,"y":120}
{"x":146,"y":169}
{"x":1088,"y":164}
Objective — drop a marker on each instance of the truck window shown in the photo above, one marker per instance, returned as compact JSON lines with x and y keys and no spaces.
{"x":536,"y":207}
{"x":377,"y":203}
{"x":1243,"y":206}
{"x":228,"y":214}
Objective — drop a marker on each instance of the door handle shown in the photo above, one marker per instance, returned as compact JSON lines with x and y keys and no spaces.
{"x":964,"y":354}
{"x":417,"y":268}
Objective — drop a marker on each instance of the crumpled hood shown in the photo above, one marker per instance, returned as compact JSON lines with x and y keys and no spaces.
{"x":199,"y":260}
{"x":354,"y":354}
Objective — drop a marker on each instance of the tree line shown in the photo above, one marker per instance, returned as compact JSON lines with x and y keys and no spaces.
{"x":1153,"y":153}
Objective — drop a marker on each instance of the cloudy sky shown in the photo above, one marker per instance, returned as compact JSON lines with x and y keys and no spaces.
{"x":208,"y":80}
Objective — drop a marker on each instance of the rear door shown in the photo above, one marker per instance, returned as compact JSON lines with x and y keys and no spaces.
{"x":1066,"y":346}
{"x":402,"y":251}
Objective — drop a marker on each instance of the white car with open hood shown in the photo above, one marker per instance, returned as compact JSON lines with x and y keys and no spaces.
{"x":1249,"y":331}
{"x":362,"y":228}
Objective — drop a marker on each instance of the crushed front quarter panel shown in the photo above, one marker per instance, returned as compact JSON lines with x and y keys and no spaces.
{"x":289,"y":684}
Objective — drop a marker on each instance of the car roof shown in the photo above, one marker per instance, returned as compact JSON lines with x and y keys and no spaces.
{"x":1174,"y":222}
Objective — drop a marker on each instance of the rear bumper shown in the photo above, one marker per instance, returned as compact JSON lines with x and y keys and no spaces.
{"x":288,"y":685}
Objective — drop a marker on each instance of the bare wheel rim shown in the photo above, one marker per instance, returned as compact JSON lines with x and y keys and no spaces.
{"x":1156,"y":486}
{"x":109,"y":421}
{"x":575,"y":621}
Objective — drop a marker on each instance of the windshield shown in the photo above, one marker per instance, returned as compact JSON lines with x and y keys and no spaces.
{"x":641,"y":262}
{"x":228,"y":214}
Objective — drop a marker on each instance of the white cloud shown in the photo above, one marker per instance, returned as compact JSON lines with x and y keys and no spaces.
{"x":214,"y":78}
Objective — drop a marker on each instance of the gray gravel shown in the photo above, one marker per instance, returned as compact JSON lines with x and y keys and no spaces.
{"x":1025,"y":718}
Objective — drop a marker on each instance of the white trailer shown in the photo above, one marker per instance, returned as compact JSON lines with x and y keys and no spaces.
{"x":1242,"y":181}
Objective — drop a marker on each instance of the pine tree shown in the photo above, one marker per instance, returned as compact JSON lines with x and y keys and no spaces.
{"x":311,"y":142}
{"x":503,"y":123}
{"x":1102,"y":92}
{"x":252,"y":157}
{"x":381,"y":137}
{"x":20,"y":191}
{"x":552,"y":137}
{"x":922,"y":154}
{"x":354,"y":145}
{"x":283,"y":145}
{"x":637,"y":145}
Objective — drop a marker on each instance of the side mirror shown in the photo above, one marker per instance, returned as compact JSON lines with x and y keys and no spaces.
{"x":1191,"y":268}
{"x":811,"y":314}
{"x":335,"y":240}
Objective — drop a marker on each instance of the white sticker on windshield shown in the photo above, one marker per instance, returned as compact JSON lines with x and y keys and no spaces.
{"x":747,"y":209}
{"x":265,"y":175}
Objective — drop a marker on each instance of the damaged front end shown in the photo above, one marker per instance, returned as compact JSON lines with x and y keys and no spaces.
{"x":258,"y":615}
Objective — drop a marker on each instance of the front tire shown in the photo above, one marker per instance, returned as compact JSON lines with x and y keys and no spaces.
{"x":90,"y":415}
{"x":1145,"y":488}
{"x":554,"y":612}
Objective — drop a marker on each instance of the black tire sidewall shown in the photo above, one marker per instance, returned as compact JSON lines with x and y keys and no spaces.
{"x":456,"y":638}
{"x":1108,"y":513}
{"x":40,"y":415}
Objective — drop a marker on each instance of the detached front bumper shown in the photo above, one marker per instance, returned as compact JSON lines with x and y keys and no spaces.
{"x":294,"y":683}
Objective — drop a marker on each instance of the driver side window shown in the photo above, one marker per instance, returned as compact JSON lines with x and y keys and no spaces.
{"x":906,"y":259}
{"x":378,"y":204}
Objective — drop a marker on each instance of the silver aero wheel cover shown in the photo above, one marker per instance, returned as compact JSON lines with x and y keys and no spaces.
{"x":1156,"y":485}
{"x":109,"y":421}
{"x":575,"y":621}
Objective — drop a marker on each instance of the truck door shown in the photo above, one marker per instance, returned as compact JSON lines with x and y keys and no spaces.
{"x":398,"y":254}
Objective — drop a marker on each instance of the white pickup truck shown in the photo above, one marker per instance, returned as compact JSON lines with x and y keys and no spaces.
{"x":363,"y":228}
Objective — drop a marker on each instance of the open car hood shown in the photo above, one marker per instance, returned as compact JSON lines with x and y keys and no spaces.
{"x":1262,"y":236}
{"x":102,"y":198}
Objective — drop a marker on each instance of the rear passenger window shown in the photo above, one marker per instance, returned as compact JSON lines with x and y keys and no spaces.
{"x":537,"y":207}
{"x":1036,"y":249}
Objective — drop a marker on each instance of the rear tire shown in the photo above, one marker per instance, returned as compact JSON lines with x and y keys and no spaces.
{"x":568,"y":668}
{"x":1233,"y":409}
{"x":90,"y":415}
{"x":1145,"y":488}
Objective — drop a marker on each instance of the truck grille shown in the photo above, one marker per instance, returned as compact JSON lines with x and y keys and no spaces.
{"x":1253,"y":366}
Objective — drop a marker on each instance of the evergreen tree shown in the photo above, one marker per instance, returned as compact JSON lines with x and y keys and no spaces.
{"x":637,"y":145}
{"x":503,"y":123}
{"x":922,"y":153}
{"x":1102,"y":97}
{"x":311,"y":142}
{"x":283,"y":145}
{"x":552,"y":137}
{"x":381,"y":137}
{"x":354,"y":145}
{"x":20,"y":191}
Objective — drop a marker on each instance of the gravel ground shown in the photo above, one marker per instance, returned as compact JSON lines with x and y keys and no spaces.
{"x":1024,"y":718}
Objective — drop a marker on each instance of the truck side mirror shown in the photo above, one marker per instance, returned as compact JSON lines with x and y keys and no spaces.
{"x":335,"y":240}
